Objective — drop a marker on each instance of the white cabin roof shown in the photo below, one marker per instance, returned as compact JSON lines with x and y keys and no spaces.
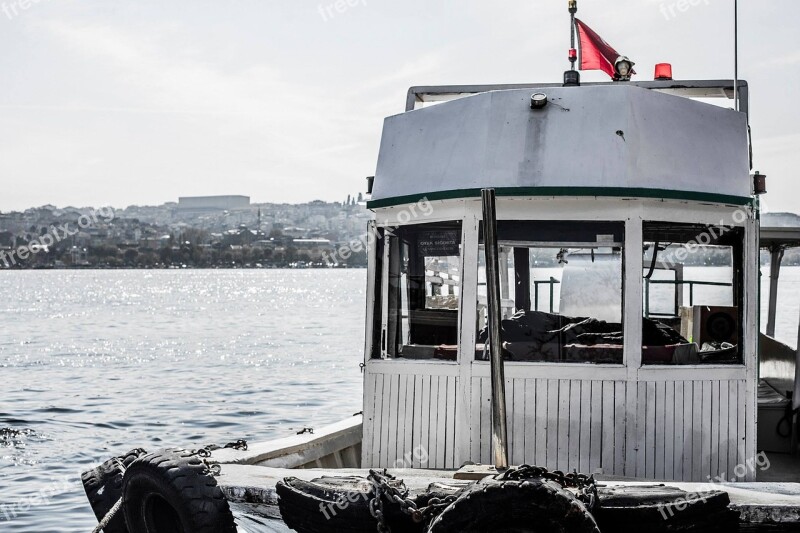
{"x":604,"y":140}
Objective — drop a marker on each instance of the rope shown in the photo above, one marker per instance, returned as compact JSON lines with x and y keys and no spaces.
{"x":110,"y":516}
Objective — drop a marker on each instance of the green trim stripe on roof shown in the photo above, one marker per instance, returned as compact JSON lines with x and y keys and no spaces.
{"x":620,"y":192}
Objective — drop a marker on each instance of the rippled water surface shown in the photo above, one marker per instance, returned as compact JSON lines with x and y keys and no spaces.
{"x":94,"y":363}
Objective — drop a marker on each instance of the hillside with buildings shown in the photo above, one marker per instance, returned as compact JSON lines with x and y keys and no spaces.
{"x":201,"y":232}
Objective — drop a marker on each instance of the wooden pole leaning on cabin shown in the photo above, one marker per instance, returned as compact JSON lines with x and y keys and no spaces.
{"x":499,"y":426}
{"x":796,"y":393}
{"x":776,"y":257}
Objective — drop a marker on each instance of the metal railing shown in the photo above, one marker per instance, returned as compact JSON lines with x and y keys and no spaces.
{"x":552,"y":282}
{"x":690,"y":283}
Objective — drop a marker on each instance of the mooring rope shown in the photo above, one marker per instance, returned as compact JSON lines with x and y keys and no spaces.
{"x":108,"y":517}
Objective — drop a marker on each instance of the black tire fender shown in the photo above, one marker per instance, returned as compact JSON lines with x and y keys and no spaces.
{"x":172,"y":491}
{"x":521,"y":506}
{"x":103,"y":487}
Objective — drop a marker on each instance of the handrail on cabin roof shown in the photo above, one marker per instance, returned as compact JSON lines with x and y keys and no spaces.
{"x":687,"y":88}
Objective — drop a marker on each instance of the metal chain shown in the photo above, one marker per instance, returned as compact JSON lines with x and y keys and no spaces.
{"x":398,"y":494}
{"x":585,"y":486}
{"x":204,"y":453}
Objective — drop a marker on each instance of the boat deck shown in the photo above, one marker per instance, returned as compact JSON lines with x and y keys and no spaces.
{"x":770,"y":504}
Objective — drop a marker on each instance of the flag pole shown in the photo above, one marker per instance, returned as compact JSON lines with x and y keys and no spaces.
{"x":736,"y":54}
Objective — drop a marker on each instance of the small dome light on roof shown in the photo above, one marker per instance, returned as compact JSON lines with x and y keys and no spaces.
{"x":663,"y":71}
{"x":538,"y":100}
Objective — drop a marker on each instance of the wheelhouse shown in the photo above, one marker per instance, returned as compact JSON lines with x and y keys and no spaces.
{"x":628,"y":245}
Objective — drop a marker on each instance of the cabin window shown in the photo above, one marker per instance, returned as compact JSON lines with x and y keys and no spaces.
{"x":693,"y":294}
{"x":418,"y":279}
{"x":561,"y":290}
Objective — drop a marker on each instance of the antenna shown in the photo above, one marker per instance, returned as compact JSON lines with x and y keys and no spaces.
{"x":736,"y":54}
{"x":573,"y":52}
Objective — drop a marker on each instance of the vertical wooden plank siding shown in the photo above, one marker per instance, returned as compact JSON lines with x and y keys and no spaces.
{"x":517,"y":422}
{"x":585,"y":450}
{"x":408,"y":425}
{"x":541,"y":423}
{"x":697,"y":430}
{"x":369,"y":420}
{"x":432,"y":447}
{"x":486,"y":421}
{"x":475,"y":423}
{"x":596,"y":432}
{"x":669,"y":430}
{"x":641,"y":431}
{"x":678,"y":445}
{"x":682,"y":430}
{"x":573,"y":443}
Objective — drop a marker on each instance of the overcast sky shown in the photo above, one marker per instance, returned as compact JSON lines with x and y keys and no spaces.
{"x":139,"y":102}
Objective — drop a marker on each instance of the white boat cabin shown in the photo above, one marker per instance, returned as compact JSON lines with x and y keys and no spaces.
{"x":628,"y":235}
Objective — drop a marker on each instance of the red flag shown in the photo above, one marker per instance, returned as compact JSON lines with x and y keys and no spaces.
{"x":596,"y":54}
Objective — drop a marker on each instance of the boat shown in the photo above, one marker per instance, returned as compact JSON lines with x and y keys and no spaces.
{"x":560,"y":275}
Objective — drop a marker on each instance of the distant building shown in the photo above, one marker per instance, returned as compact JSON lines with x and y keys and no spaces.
{"x":208,"y":204}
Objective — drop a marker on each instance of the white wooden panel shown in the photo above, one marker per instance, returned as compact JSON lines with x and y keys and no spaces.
{"x":706,"y":423}
{"x":596,"y":431}
{"x":418,"y":444}
{"x":376,"y":440}
{"x":450,"y":433}
{"x":486,"y":421}
{"x":679,"y":444}
{"x":543,"y":423}
{"x":741,"y":443}
{"x":650,"y":430}
{"x":441,"y":422}
{"x":724,"y":439}
{"x":551,"y":460}
{"x":688,"y":429}
{"x":626,"y":408}
{"x":715,"y":425}
{"x":562,"y":442}
{"x":517,"y":421}
{"x":641,"y":431}
{"x":573,"y":443}
{"x":408,"y":421}
{"x":475,"y":433}
{"x":391,"y":447}
{"x":585,"y":451}
{"x":611,"y":422}
{"x":368,"y":447}
{"x":433,"y":423}
{"x":697,"y":430}
{"x":425,"y":435}
{"x":733,"y":427}
{"x":669,"y":430}
{"x":660,"y":413}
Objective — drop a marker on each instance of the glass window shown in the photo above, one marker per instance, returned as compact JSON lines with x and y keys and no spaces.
{"x":561,"y":292}
{"x":693,"y":287}
{"x":418,"y":283}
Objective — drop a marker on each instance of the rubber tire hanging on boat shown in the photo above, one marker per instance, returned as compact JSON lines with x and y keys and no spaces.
{"x":335,"y":504}
{"x":103,"y":486}
{"x":521,"y":506}
{"x":172,"y":491}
